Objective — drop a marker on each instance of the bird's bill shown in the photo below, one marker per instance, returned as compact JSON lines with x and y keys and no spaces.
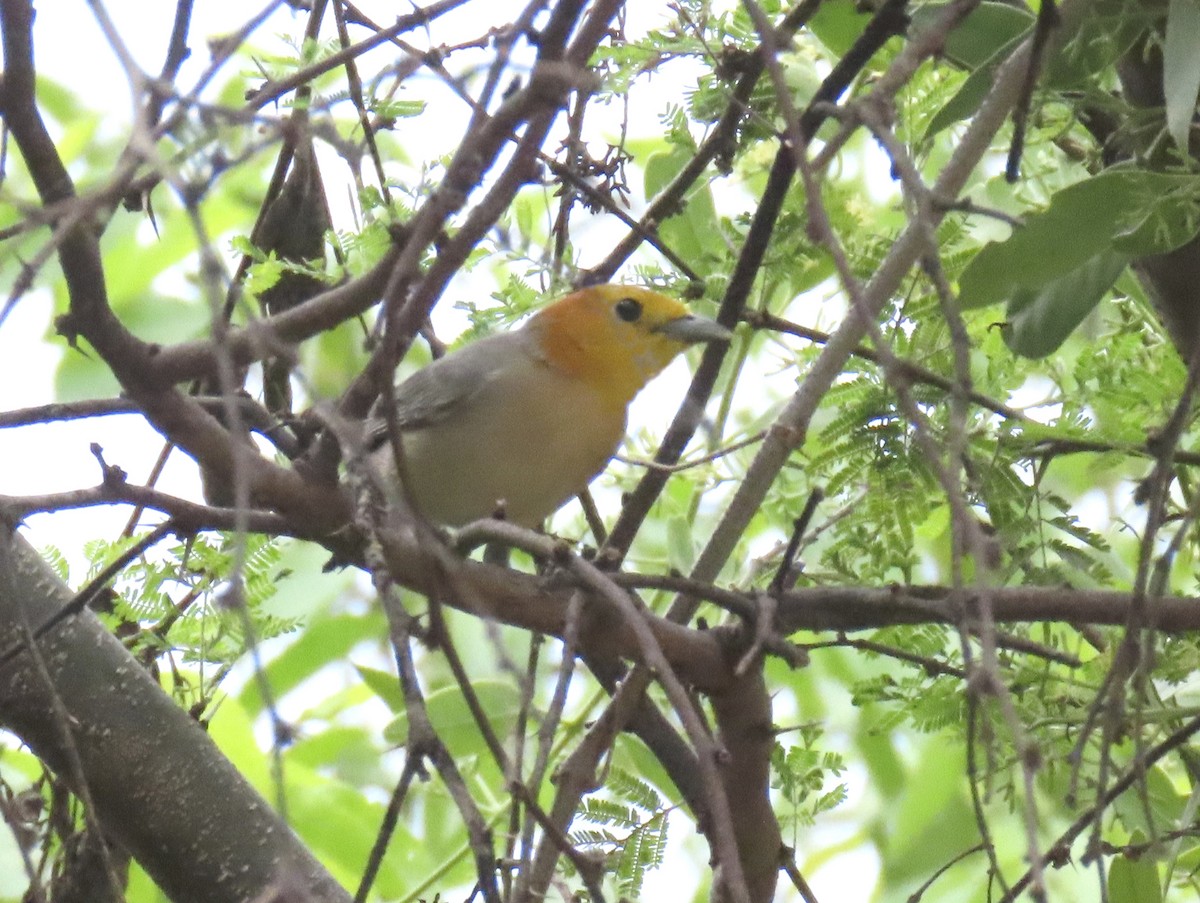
{"x":693,"y":329}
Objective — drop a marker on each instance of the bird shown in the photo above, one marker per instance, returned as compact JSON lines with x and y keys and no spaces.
{"x":518,"y":423}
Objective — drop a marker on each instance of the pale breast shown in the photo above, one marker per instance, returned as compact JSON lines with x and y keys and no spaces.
{"x":547,"y":436}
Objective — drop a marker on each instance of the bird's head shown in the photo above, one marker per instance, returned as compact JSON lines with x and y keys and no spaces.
{"x":618,"y":337}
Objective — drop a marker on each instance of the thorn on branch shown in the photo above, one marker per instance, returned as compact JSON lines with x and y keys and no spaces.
{"x":65,"y":326}
{"x":285,"y":733}
{"x":112,"y":476}
{"x":1031,"y":756}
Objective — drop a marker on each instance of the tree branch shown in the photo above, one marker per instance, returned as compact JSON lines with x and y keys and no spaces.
{"x":167,"y":794}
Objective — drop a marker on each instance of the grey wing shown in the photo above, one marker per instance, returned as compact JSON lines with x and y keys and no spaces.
{"x":435,"y":391}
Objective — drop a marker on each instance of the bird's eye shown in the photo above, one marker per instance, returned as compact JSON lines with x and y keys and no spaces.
{"x":629,"y":309}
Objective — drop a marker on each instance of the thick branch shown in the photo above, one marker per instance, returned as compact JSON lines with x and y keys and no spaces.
{"x":198,"y":359}
{"x":859,"y":608}
{"x":530,"y":602}
{"x":746,"y":734}
{"x":167,"y":794}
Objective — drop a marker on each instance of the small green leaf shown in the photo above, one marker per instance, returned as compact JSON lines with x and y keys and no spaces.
{"x":1040,"y":319}
{"x":400,"y":109}
{"x":690,"y":232}
{"x":837,"y":24}
{"x":263,"y":276}
{"x":1134,"y":880}
{"x":681,"y":549}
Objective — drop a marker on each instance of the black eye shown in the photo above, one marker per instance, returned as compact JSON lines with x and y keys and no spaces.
{"x":629,"y":309}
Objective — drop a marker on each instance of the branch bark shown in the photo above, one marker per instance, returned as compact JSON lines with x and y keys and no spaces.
{"x":159,"y":785}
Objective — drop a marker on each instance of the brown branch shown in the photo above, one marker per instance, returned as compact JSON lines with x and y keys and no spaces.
{"x":589,"y":867}
{"x":253,"y":415}
{"x":904,"y":368}
{"x":132,"y":360}
{"x":744,"y":732}
{"x":850,"y":608}
{"x":930,"y":666}
{"x":272,"y":91}
{"x":71,"y":767}
{"x":177,"y":53}
{"x":717,"y":143}
{"x":189,"y":517}
{"x":859,"y":608}
{"x":627,"y":613}
{"x":198,"y":359}
{"x":538,"y":103}
{"x":576,"y":778}
{"x":95,"y":586}
{"x":916,"y":895}
{"x":424,"y":743}
{"x":1049,"y":448}
{"x":194,"y":825}
{"x":794,"y":875}
{"x":391,"y":817}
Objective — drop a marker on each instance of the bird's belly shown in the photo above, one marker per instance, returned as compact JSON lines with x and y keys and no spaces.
{"x":544,"y":445}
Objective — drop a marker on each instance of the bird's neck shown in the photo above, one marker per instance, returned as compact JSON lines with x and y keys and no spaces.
{"x":572,"y":348}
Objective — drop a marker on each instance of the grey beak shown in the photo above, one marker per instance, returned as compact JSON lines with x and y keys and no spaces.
{"x":692,"y":329}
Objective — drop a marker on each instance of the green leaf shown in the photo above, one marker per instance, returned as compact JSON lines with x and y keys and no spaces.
{"x":680,"y":544}
{"x":972,"y":92}
{"x":384,"y":685}
{"x":332,"y":359}
{"x":263,"y":275}
{"x":884,"y":764}
{"x":924,"y":830}
{"x":989,"y":28}
{"x":1171,"y":220}
{"x":1150,"y":212}
{"x":1165,"y":801}
{"x":340,"y":824}
{"x":399,"y":109}
{"x":837,"y":24}
{"x":452,"y":718}
{"x":1040,"y":319}
{"x":691,"y":232}
{"x":980,"y":44}
{"x":1181,"y":68}
{"x":346,"y":751}
{"x":324,"y":641}
{"x":1104,"y":36}
{"x":1134,"y":880}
